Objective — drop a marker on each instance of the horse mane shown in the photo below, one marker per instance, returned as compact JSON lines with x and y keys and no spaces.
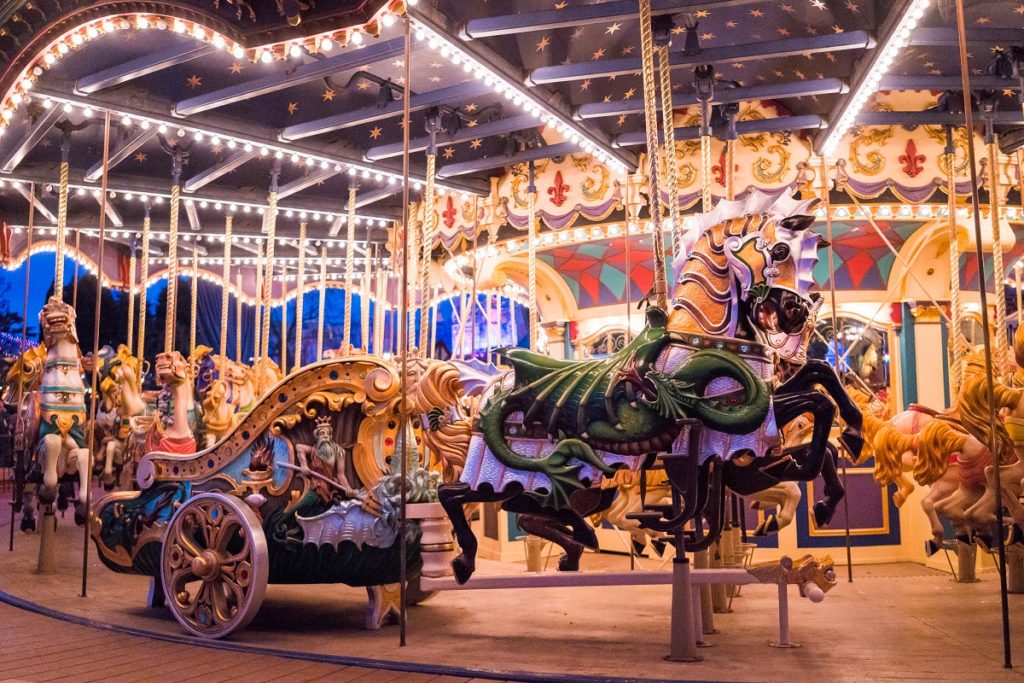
{"x":938,"y":440}
{"x":803,"y":244}
{"x":974,"y":410}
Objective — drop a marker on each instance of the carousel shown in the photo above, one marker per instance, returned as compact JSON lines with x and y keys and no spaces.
{"x":626,"y":326}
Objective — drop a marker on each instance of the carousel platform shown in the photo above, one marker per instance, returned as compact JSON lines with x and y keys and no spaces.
{"x":894,"y":621}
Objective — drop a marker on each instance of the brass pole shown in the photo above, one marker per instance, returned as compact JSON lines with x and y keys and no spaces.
{"x":94,"y":375}
{"x":225,"y":295}
{"x":300,"y":295}
{"x":986,"y":336}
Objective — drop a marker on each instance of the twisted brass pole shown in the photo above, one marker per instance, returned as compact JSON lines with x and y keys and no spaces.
{"x":225,"y":295}
{"x":956,"y":338}
{"x":1002,"y":351}
{"x":300,"y":292}
{"x":651,"y":129}
{"x":268,"y":271}
{"x":132,"y":267}
{"x":171,"y":314}
{"x":350,"y":255}
{"x":62,"y":221}
{"x":428,"y":248}
{"x":669,"y":156}
{"x":322,"y":301}
{"x":144,"y":277}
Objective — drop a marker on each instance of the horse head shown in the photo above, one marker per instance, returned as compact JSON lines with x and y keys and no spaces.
{"x":172,"y":369}
{"x":57,"y":320}
{"x":203,"y":366}
{"x":23,"y":376}
{"x":752,"y":275}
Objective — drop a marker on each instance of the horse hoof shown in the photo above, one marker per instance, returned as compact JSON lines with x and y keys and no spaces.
{"x":80,"y":514}
{"x":930,"y":548}
{"x":985,"y":541}
{"x":108,"y":487}
{"x":28,"y":525}
{"x":569,"y":563}
{"x":822,"y":514}
{"x":1014,"y":535}
{"x":462,"y":569}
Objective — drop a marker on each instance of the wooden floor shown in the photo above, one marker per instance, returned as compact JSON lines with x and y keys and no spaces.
{"x":38,"y":648}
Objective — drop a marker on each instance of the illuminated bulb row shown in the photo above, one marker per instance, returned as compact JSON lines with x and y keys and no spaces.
{"x":187,"y":237}
{"x":207,"y":203}
{"x":886,"y":55}
{"x":311,"y":161}
{"x":353,"y":36}
{"x":511,"y":90}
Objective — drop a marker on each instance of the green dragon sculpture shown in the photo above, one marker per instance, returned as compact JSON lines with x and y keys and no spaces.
{"x":618,"y":404}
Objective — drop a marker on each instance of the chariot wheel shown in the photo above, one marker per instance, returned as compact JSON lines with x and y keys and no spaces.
{"x":214,"y":565}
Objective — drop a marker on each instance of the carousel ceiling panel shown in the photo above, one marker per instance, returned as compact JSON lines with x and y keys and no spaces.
{"x":599,"y":272}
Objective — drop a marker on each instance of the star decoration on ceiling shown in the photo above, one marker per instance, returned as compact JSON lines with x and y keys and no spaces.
{"x":472,"y":123}
{"x":449,"y":152}
{"x":561,"y":5}
{"x":436,"y":65}
{"x":475,"y":144}
{"x":236,"y":67}
{"x":818,"y":4}
{"x":676,"y":30}
{"x":852,"y":6}
{"x":702,"y":14}
{"x":217,"y":149}
{"x":543,"y":43}
{"x":292,"y":107}
{"x":783,"y":31}
{"x":435,"y":79}
{"x":471,"y":107}
{"x":628,"y":50}
{"x":810,"y":30}
{"x":1020,"y":9}
{"x":140,"y":157}
{"x":982,"y":20}
{"x":328,"y":95}
{"x":376,"y":131}
{"x":607,"y":98}
{"x":731,"y":24}
{"x":621,"y":120}
{"x":598,"y":54}
{"x":194,"y":81}
{"x":837,"y":28}
{"x":399,"y":63}
{"x":610,"y":30}
{"x":830,"y":56}
{"x":707,"y":36}
{"x":577,"y":33}
{"x":629,"y":94}
{"x":585,"y":85}
{"x":363,"y":84}
{"x":756,"y":13}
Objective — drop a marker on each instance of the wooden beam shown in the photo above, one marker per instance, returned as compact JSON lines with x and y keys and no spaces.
{"x":143,"y":66}
{"x":127,"y":148}
{"x":300,"y":184}
{"x":207,"y":176}
{"x":305,"y":73}
{"x":17,"y":152}
{"x":596,"y":13}
{"x":434,"y":98}
{"x":484,"y":130}
{"x":743,"y":52}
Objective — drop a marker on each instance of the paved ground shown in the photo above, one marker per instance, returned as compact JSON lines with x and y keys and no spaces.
{"x":27,"y":653}
{"x":902,"y":622}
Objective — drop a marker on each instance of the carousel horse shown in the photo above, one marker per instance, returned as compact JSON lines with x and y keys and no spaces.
{"x":741,"y":302}
{"x":20,"y":400}
{"x":120,"y":387}
{"x":62,"y":445}
{"x":176,"y":421}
